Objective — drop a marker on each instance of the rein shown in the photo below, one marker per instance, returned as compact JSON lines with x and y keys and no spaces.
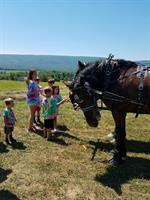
{"x":114,"y":97}
{"x":88,"y":108}
{"x":106,"y":96}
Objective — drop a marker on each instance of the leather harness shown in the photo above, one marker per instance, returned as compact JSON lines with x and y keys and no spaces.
{"x":141,"y":74}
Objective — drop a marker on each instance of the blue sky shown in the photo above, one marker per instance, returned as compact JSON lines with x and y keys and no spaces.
{"x":76,"y":27}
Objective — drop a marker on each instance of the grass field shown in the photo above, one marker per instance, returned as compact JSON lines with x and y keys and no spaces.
{"x":36,"y":169}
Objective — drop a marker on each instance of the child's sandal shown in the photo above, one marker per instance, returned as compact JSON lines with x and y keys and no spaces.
{"x":31,"y":130}
{"x":7,"y":142}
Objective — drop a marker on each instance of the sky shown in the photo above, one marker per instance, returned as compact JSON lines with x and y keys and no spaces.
{"x":76,"y":27}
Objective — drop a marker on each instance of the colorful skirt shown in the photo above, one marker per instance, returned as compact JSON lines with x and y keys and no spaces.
{"x":32,"y":102}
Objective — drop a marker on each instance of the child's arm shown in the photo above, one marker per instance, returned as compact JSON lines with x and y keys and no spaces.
{"x":63,"y":101}
{"x":27,"y":80}
{"x":5,"y":116}
{"x":42,"y":92}
{"x":5,"y":121}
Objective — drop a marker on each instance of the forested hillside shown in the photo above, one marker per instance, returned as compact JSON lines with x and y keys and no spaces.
{"x":44,"y":62}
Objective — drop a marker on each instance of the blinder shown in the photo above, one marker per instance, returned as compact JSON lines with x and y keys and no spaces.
{"x":76,"y":100}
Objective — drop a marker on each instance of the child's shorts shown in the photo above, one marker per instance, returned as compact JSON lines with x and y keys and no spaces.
{"x":49,"y":123}
{"x":37,"y":107}
{"x":8,"y":130}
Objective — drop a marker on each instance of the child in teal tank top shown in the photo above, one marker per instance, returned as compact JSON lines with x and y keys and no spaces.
{"x":9,"y":121}
{"x":49,"y":106}
{"x":49,"y":112}
{"x":57,"y":96}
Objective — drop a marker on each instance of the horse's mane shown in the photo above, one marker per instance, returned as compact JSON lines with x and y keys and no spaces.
{"x":120,"y":63}
{"x":90,"y":66}
{"x":126,"y":64}
{"x":94,"y":66}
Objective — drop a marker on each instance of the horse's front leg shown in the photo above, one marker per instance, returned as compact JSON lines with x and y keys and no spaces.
{"x":120,"y":137}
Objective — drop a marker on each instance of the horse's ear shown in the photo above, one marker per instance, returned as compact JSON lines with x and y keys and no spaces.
{"x":68,"y":84}
{"x":81,"y":65}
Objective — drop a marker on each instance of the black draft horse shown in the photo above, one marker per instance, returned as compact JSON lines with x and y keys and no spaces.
{"x":123,"y":86}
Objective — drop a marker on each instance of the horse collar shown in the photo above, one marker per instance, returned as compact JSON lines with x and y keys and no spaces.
{"x":141,"y":75}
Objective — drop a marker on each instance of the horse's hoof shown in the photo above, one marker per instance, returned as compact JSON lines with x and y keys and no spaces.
{"x":123,"y":155}
{"x":115,"y":162}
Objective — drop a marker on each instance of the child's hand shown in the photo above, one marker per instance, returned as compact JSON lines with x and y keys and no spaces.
{"x":66,"y":99}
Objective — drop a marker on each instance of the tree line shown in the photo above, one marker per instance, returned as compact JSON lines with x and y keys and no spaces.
{"x":44,"y":75}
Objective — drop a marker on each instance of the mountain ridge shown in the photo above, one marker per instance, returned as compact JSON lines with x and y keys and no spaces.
{"x":46,"y":62}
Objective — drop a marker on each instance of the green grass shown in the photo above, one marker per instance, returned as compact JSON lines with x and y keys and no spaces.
{"x":17,"y":85}
{"x":17,"y":89}
{"x":41,"y":170}
{"x":11,"y":85}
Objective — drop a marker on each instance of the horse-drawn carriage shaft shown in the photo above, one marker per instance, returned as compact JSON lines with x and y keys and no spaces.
{"x":122,"y":85}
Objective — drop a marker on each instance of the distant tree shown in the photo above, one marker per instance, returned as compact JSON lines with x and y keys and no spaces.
{"x":44,"y":75}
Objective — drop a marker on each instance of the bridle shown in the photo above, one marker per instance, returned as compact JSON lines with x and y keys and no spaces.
{"x":89,"y":90}
{"x":94,"y":92}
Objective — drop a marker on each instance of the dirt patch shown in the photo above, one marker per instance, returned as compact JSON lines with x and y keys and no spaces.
{"x":19,"y":95}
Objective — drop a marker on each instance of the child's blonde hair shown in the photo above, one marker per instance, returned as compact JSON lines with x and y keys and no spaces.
{"x":8,"y":100}
{"x":51,"y":81}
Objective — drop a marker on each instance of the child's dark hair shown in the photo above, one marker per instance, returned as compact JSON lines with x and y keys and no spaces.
{"x":54,"y":87}
{"x":48,"y":89}
{"x":30,"y":74}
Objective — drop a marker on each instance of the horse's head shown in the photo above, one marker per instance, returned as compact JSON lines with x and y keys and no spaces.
{"x":91,"y":76}
{"x":81,"y":95}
